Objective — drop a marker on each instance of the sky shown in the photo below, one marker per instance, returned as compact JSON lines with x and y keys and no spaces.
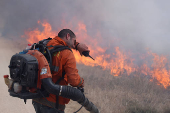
{"x":133,"y":25}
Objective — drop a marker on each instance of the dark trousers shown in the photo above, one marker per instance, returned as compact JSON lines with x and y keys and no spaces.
{"x":39,"y":108}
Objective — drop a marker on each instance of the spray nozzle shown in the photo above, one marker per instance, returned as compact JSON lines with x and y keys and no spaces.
{"x":86,"y":54}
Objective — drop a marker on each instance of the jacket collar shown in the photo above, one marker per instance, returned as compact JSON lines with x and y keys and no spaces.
{"x":56,"y":41}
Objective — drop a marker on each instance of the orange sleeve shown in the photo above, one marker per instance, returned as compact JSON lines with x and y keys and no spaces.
{"x":73,"y":78}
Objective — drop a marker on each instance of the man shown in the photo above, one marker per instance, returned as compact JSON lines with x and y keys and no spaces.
{"x":64,"y":63}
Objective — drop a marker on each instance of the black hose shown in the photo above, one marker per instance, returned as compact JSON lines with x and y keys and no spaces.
{"x":69,"y":92}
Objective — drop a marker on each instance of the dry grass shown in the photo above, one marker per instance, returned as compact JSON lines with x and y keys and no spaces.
{"x":124,"y":94}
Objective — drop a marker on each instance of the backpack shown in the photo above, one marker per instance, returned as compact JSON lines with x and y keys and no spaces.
{"x":24,"y":71}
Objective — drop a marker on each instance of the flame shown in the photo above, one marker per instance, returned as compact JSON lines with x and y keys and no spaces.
{"x":36,"y":35}
{"x":118,"y":62}
{"x":160,"y":70}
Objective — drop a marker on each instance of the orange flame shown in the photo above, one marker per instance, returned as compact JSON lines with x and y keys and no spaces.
{"x":160,"y":71}
{"x":36,"y":35}
{"x":118,"y":62}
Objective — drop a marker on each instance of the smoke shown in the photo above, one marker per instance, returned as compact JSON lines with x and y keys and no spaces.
{"x":132,"y":25}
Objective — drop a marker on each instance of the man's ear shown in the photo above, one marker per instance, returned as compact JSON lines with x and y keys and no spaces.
{"x":68,"y":36}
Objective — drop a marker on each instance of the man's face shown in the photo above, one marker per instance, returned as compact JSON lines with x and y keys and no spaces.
{"x":71,"y":42}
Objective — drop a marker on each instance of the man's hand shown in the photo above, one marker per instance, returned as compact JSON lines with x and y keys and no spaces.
{"x":81,"y":89}
{"x":82,"y":47}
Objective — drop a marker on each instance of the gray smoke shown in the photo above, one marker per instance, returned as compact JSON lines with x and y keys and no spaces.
{"x":136,"y":25}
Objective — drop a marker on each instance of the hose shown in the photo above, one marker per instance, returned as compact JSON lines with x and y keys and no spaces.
{"x":69,"y":92}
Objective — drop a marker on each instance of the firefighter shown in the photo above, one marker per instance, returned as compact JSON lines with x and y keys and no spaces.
{"x":65,"y":66}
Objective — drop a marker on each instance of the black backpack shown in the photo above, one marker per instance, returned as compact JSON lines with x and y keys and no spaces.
{"x":24,"y":70}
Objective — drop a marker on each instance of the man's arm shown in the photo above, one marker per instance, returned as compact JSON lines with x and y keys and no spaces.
{"x":73,"y":78}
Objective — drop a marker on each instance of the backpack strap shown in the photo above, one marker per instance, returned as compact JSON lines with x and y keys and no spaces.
{"x":54,"y":50}
{"x":57,"y":97}
{"x":59,"y":48}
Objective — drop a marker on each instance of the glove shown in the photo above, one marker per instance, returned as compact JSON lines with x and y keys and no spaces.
{"x":82,"y":47}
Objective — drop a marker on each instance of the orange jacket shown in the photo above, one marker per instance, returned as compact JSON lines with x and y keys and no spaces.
{"x":64,"y":61}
